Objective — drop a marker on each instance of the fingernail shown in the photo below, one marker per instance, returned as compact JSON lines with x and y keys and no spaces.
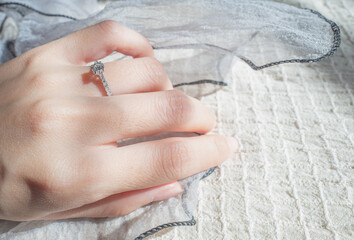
{"x":233,"y":144}
{"x":167,"y":191}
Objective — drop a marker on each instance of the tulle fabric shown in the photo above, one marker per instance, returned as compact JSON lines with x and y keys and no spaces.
{"x":198,"y":42}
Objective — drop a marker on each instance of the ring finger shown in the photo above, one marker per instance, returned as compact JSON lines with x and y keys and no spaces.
{"x":123,"y":77}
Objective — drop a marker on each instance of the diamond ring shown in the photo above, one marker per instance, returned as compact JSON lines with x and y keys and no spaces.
{"x":98,"y":68}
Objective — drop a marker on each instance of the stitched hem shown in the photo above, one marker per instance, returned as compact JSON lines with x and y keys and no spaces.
{"x":335,"y":45}
{"x":201,"y":81}
{"x":190,"y":222}
{"x":37,"y":11}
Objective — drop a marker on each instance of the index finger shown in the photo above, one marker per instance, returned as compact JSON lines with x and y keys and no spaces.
{"x":100,"y":40}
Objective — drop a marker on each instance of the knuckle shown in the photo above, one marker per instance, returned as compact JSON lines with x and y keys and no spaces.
{"x":153,"y":73}
{"x":49,"y":188}
{"x":40,"y":113}
{"x":175,"y":107}
{"x":111,"y":30}
{"x":174,"y":157}
{"x":109,"y":26}
{"x":33,"y":58}
{"x":46,"y":115}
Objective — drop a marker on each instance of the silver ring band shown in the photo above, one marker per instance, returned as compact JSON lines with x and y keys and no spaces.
{"x":97,"y":68}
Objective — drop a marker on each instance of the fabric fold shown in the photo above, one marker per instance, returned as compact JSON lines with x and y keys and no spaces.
{"x":197,"y":42}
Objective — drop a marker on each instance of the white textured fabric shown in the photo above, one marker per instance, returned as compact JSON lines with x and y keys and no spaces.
{"x":294,"y":176}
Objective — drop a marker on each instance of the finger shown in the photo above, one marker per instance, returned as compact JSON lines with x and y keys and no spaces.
{"x":144,"y":114}
{"x":121,"y":204}
{"x":123,"y":77}
{"x":153,"y":163}
{"x":100,"y":40}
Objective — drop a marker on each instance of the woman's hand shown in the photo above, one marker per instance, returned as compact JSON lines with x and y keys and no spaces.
{"x":58,"y":153}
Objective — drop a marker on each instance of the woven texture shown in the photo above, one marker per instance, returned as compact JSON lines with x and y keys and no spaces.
{"x":294,"y":176}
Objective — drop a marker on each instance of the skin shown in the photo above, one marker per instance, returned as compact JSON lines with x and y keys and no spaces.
{"x":58,"y":131}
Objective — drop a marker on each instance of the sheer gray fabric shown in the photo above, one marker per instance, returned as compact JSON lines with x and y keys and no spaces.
{"x":207,"y":36}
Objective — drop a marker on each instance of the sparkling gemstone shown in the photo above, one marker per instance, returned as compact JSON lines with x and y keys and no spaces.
{"x":98,"y":67}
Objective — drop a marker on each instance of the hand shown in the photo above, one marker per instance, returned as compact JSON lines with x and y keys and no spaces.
{"x":58,"y":152}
